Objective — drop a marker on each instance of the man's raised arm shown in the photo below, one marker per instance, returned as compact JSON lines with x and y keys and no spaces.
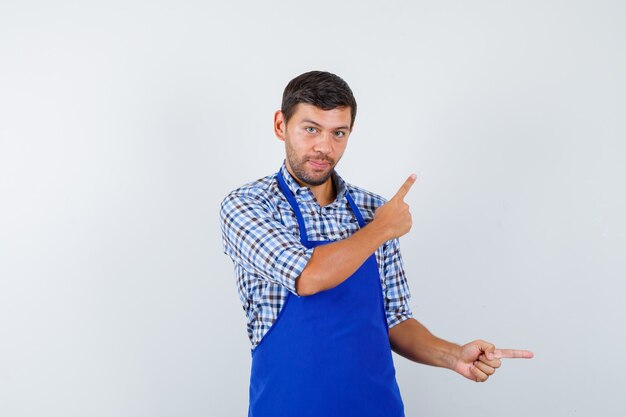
{"x":335,"y":262}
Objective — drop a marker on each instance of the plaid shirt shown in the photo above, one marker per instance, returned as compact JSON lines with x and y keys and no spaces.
{"x":261,"y":235}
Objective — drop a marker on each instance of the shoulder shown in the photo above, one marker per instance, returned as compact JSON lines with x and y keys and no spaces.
{"x":262,"y":193}
{"x":366,"y":200}
{"x":365,"y":197}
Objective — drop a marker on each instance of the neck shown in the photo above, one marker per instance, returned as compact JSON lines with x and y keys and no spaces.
{"x":325,"y":193}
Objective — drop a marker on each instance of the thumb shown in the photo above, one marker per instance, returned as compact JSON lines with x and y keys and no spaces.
{"x":487,"y":348}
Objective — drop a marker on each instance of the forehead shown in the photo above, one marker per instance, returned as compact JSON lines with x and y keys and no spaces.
{"x":339,"y":117}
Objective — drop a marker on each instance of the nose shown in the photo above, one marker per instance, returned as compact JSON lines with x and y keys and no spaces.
{"x":323,"y":143}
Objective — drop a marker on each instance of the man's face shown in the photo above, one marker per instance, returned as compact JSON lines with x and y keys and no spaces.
{"x":315,"y":140}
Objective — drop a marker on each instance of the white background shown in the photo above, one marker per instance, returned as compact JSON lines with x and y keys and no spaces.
{"x":124,"y":123}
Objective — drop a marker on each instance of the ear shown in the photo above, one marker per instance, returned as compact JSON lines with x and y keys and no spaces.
{"x":280,"y":126}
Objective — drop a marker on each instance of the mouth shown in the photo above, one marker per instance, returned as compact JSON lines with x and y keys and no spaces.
{"x":319,"y":164}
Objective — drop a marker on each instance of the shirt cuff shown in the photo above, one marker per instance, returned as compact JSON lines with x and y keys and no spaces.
{"x":289,"y":265}
{"x":395,"y":319}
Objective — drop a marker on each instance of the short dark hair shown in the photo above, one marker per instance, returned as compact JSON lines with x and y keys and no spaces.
{"x":321,"y":89}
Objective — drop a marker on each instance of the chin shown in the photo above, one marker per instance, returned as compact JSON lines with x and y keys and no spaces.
{"x":319,"y":179}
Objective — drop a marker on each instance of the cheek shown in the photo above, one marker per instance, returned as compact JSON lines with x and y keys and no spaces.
{"x":295,"y":147}
{"x":298,"y":147}
{"x":341,"y":147}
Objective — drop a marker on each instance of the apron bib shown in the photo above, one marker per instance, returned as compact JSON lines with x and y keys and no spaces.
{"x":328,"y":354}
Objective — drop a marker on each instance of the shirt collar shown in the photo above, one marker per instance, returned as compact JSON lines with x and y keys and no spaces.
{"x":300,"y":191}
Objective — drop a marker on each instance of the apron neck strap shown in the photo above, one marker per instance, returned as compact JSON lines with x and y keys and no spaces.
{"x":355,"y":209}
{"x":296,"y":208}
{"x":294,"y":205}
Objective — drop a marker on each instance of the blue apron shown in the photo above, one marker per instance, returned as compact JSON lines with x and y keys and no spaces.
{"x":327,"y":354}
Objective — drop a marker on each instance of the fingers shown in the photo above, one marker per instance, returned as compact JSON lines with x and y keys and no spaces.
{"x":483,"y":368}
{"x":487,"y":348}
{"x":486,"y":369}
{"x":495,"y":363}
{"x":487,"y":359}
{"x":404,"y":189}
{"x":513,"y":353}
{"x":479,"y":375}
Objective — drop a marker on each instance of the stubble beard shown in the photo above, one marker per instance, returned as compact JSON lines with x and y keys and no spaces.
{"x":298,"y":167}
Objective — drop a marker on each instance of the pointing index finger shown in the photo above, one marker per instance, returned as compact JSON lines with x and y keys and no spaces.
{"x":404,"y":189}
{"x":513,"y":353}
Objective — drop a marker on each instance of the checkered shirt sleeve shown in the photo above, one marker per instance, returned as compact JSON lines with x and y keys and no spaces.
{"x":261,"y":244}
{"x":395,"y":286}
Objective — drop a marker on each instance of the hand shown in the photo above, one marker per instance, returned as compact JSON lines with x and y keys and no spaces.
{"x":394,"y":216}
{"x":479,"y":360}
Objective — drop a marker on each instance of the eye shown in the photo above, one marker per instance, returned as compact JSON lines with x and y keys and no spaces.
{"x":310,"y":129}
{"x":340,"y":134}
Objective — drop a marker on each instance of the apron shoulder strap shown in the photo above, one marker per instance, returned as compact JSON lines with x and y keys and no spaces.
{"x":294,"y":205}
{"x":355,"y":209}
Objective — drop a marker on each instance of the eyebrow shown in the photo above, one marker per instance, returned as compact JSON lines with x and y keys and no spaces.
{"x":319,"y":125}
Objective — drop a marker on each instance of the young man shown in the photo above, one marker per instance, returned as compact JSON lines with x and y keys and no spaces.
{"x":320,"y":275}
